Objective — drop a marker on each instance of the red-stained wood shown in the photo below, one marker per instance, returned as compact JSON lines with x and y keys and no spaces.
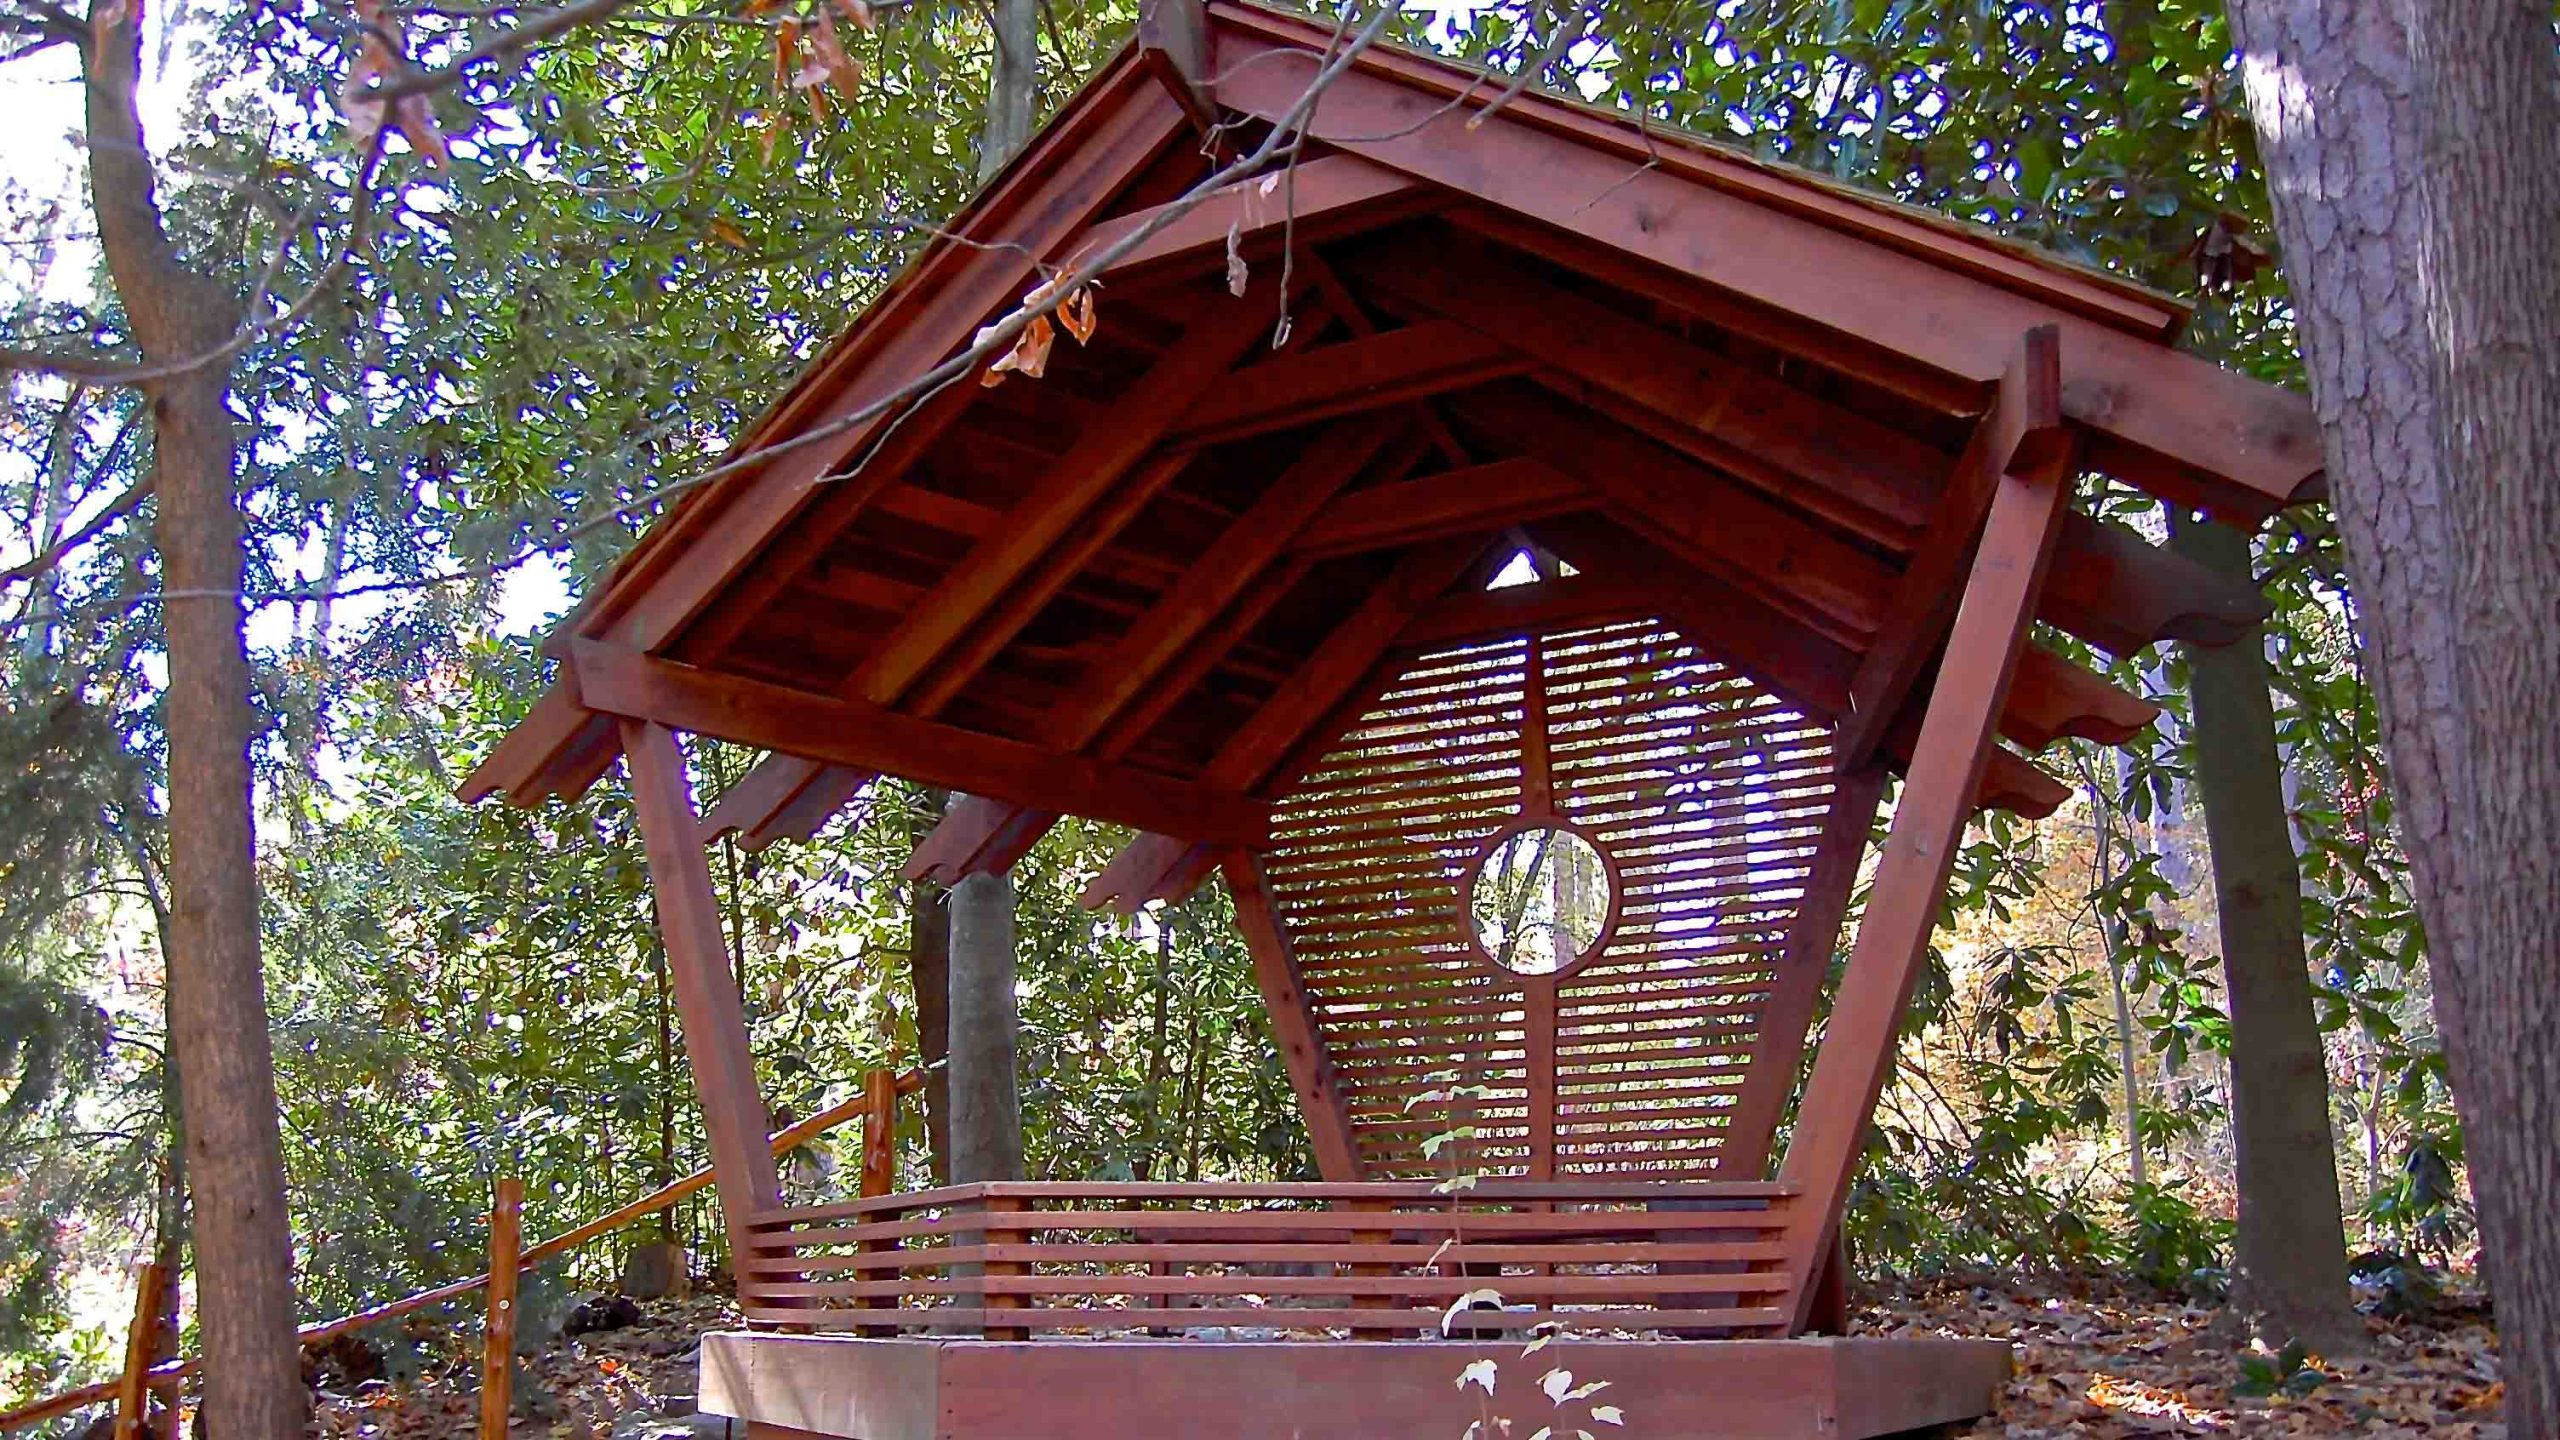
{"x":1064,"y":501}
{"x":977,"y":836}
{"x":1956,"y":740}
{"x":1293,"y":1028}
{"x":1538,"y":1024}
{"x":927,"y":315}
{"x":856,"y":735}
{"x":2153,"y":399}
{"x":782,"y":798}
{"x":141,"y":1352}
{"x":1331,"y":193}
{"x":2052,"y":698}
{"x":1145,"y":870}
{"x":2022,"y":431}
{"x":1803,"y":567}
{"x":498,"y":1329}
{"x":1561,"y":602}
{"x":1469,"y":499}
{"x":1345,"y":378}
{"x":1316,"y":687}
{"x":1850,"y":470}
{"x":1787,"y":1016}
{"x":1231,"y":564}
{"x":2120,"y":592}
{"x":706,"y":990}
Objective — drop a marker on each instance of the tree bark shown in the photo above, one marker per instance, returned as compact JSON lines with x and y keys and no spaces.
{"x":1013,"y":84}
{"x":2409,"y":149}
{"x":217,"y":1003}
{"x":2293,"y":1232}
{"x":929,"y":978}
{"x":986,"y":1099}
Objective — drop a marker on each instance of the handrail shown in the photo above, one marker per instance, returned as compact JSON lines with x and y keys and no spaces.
{"x":790,"y":1137}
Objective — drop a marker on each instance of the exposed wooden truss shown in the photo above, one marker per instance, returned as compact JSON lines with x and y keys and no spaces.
{"x":1791,"y":471}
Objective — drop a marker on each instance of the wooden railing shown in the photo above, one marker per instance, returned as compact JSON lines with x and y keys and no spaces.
{"x":1368,"y":1260}
{"x":876,"y":1105}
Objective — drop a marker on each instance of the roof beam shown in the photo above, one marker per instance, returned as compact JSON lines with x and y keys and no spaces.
{"x":860,"y":735}
{"x":1064,"y":500}
{"x":1865,"y":477}
{"x":1242,"y":552}
{"x":1348,"y":377}
{"x":927,"y":316}
{"x":1473,"y":497}
{"x":1322,"y":196}
{"x":1796,"y":564}
{"x":1338,"y":663}
{"x":2023,"y":432}
{"x":2252,"y":447}
{"x":1801,"y":667}
{"x":1466,"y":616}
{"x":979,"y":836}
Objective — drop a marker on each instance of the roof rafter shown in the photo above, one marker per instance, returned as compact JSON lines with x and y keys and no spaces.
{"x":2241,"y":446}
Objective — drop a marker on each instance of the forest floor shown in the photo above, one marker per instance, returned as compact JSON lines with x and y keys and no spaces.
{"x":2091,"y":1363}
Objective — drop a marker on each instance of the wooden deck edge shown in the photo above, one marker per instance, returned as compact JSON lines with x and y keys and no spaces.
{"x":926,"y":1388}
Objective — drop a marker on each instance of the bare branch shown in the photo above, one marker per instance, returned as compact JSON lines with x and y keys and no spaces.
{"x":513,"y":43}
{"x":94,"y":366}
{"x":1281,"y":145}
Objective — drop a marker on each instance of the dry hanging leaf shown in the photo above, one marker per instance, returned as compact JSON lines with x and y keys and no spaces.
{"x":786,"y":40}
{"x":1029,"y":356}
{"x":1237,"y":276}
{"x":728,"y":234}
{"x":841,"y":69}
{"x":859,"y":12}
{"x":1076,"y":313}
{"x":381,"y":57}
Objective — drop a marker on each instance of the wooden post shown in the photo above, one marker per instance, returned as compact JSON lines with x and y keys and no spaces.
{"x":1802,"y":967}
{"x":142,"y":1345}
{"x":715,"y":1028}
{"x":498,"y":1332}
{"x":1956,"y":739}
{"x":1000,"y":1268}
{"x":879,"y":1176}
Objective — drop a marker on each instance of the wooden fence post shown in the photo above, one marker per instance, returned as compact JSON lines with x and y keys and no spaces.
{"x":879,"y":1177}
{"x":498,"y":1334}
{"x":133,"y":1393}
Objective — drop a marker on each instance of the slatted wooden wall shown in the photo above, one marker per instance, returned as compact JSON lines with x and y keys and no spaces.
{"x":1704,"y":792}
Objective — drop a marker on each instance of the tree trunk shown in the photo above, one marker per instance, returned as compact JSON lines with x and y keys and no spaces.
{"x":1012,"y":86}
{"x":929,"y":979}
{"x":2293,"y":1233}
{"x":2409,"y":150}
{"x":986,"y":1098}
{"x":217,"y":1003}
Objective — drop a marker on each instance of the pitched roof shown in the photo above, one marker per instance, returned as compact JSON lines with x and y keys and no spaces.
{"x":1733,"y":396}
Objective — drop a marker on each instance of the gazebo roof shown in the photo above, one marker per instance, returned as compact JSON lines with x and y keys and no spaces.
{"x":1153,"y":584}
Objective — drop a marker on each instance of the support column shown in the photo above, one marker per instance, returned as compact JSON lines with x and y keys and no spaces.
{"x":715,"y":1028}
{"x":1956,"y":739}
{"x":1803,"y":965}
{"x":1275,"y":972}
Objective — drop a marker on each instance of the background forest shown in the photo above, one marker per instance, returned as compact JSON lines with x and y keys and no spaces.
{"x":503,"y":364}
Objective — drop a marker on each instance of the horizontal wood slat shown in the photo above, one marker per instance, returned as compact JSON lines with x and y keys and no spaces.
{"x":1280,"y":1258}
{"x":1708,"y":793}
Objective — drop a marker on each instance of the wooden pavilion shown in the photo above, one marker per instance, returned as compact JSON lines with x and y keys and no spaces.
{"x":1790,"y":469}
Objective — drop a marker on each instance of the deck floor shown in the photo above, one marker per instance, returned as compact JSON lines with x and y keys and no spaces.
{"x":790,"y":1386}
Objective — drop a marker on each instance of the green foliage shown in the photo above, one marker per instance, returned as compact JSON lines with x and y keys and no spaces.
{"x":2287,"y":1372}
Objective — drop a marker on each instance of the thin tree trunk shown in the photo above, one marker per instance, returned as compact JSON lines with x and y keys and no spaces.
{"x":2409,"y":150}
{"x":53,"y":508}
{"x":1144,"y":1167}
{"x":217,"y":989}
{"x":1013,"y":86}
{"x":2293,"y":1232}
{"x":986,"y":1098}
{"x":929,"y":979}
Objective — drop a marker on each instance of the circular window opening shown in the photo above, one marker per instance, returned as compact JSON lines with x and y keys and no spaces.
{"x":1540,"y":900}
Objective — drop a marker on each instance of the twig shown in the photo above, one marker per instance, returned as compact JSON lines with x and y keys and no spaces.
{"x":1284,"y":141}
